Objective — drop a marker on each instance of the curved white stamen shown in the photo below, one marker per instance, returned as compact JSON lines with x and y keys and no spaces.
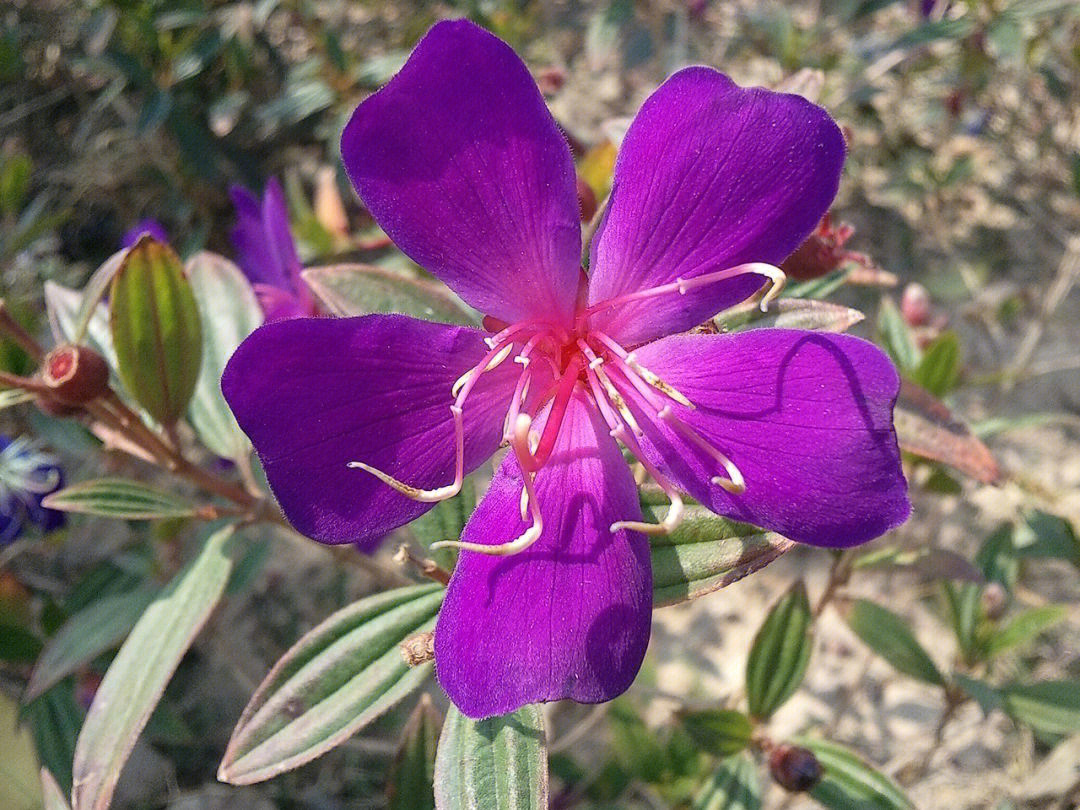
{"x":645,"y":374}
{"x":596,"y":368}
{"x":734,"y":483}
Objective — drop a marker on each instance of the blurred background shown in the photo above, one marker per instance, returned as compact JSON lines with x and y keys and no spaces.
{"x":963,"y":189}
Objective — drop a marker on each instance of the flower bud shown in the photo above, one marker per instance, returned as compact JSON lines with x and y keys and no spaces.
{"x":586,"y":200}
{"x":75,"y":375}
{"x":795,"y":769}
{"x":994,"y":600}
{"x":915,"y":305}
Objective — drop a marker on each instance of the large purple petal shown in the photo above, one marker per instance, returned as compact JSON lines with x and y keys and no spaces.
{"x":316,"y":393}
{"x":805,"y":416}
{"x":709,"y":176}
{"x":460,"y":162}
{"x":566,"y":618}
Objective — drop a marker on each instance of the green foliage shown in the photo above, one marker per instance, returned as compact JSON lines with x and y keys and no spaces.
{"x":889,"y":636}
{"x":734,"y":786}
{"x":720,"y":732}
{"x":780,"y":653}
{"x":410,"y":785}
{"x":849,"y":782}
{"x":121,"y":499}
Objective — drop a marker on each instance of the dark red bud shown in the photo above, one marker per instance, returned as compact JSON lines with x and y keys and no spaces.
{"x":994,"y":601}
{"x":75,"y":375}
{"x":915,"y":305}
{"x":795,"y":769}
{"x":814,"y":258}
{"x":586,"y":199}
{"x":550,"y":79}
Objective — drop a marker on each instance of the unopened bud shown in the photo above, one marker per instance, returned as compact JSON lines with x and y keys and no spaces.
{"x":586,"y":200}
{"x":418,"y":649}
{"x":75,"y":375}
{"x":794,"y":768}
{"x":994,"y":599}
{"x":915,"y":305}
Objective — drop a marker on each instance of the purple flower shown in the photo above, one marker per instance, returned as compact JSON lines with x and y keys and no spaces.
{"x":266,"y":252}
{"x":461,"y":163}
{"x":27,"y":475}
{"x":147,"y":227}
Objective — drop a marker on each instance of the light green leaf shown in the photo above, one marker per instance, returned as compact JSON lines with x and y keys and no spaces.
{"x":156,"y":330}
{"x":939,"y":368}
{"x":849,"y":782}
{"x":889,"y":636}
{"x":721,"y":732}
{"x":85,"y":636}
{"x":361,"y":289}
{"x":494,"y":764}
{"x":780,"y":653}
{"x":229,"y":312}
{"x":138,"y":675}
{"x":706,"y":553}
{"x":1052,"y":707}
{"x":1025,"y":628}
{"x":734,"y":786}
{"x":897,"y":337}
{"x":410,"y":785}
{"x":121,"y":499}
{"x":334,"y":681}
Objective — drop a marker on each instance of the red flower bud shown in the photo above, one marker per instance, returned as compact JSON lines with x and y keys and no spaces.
{"x":795,"y":769}
{"x":994,"y":601}
{"x":75,"y":375}
{"x":915,"y":305}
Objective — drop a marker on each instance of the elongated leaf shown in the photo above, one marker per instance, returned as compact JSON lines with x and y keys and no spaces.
{"x":706,"y":553}
{"x":121,"y":499}
{"x":939,"y":368}
{"x":411,"y":783}
{"x":156,"y":330}
{"x":734,"y":786}
{"x":229,"y":312}
{"x":780,"y":652}
{"x":1025,"y":628}
{"x":53,"y":796}
{"x":981,"y":692}
{"x":721,"y":732}
{"x":138,"y":675}
{"x":330,"y":684}
{"x":55,"y":719}
{"x":494,"y":764}
{"x":362,"y":289}
{"x":93,"y":294}
{"x":963,"y":601}
{"x":1052,"y":707}
{"x":897,"y":337}
{"x":85,"y":636}
{"x":889,"y":636}
{"x":794,"y":313}
{"x":849,"y":782}
{"x":927,"y":428}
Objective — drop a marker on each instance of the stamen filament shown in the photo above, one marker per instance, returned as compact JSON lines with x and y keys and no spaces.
{"x":649,"y":377}
{"x":735,"y":483}
{"x":596,"y":368}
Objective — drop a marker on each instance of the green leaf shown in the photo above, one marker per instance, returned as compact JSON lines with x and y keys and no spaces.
{"x":14,"y":182}
{"x":85,"y":636}
{"x":446,"y":521}
{"x":138,"y":675}
{"x":1025,"y":628}
{"x":982,"y":693}
{"x":1042,"y":535}
{"x":939,"y":368}
{"x":888,"y":635}
{"x":849,"y":783}
{"x":121,"y":499}
{"x":229,"y":312}
{"x":494,"y":764}
{"x":410,"y":785}
{"x":780,"y":652}
{"x":997,"y":558}
{"x":55,"y":718}
{"x":963,"y":602}
{"x":334,"y":681}
{"x":734,"y":786}
{"x":898,"y":340}
{"x":720,"y":732}
{"x":93,"y":294}
{"x":361,"y":289}
{"x":20,"y":787}
{"x":1052,"y":707}
{"x":17,"y":644}
{"x":63,"y":306}
{"x":156,"y":330}
{"x":706,"y":553}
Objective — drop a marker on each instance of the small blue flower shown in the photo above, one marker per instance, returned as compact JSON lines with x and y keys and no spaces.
{"x":27,"y":475}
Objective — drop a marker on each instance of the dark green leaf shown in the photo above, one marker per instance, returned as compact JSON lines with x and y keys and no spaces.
{"x":849,"y":783}
{"x":997,"y":558}
{"x":138,"y":675}
{"x":981,"y":692}
{"x":734,"y":786}
{"x":17,"y":644}
{"x":85,"y":636}
{"x":889,"y":636}
{"x":335,"y":680}
{"x":361,"y":289}
{"x":410,"y":785}
{"x":1042,"y":535}
{"x":494,"y":764}
{"x":939,"y":368}
{"x":721,"y":732}
{"x":156,"y":330}
{"x":121,"y":499}
{"x":780,"y":653}
{"x":1052,"y":707}
{"x":706,"y":553}
{"x":55,"y":718}
{"x":963,"y":603}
